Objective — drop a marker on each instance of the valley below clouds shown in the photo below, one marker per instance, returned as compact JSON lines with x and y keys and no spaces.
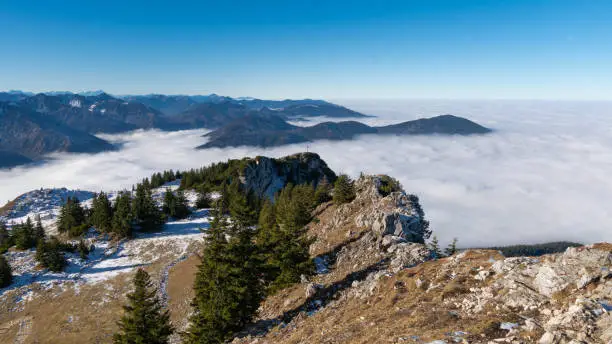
{"x":544,"y":174}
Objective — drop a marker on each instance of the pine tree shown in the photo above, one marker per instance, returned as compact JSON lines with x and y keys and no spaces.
{"x":144,"y":209}
{"x":451,"y":248}
{"x":181,"y":205}
{"x":6,"y":240}
{"x":6,"y":274}
{"x":71,"y":215}
{"x":24,"y":235}
{"x":282,"y":236}
{"x":223,"y":202}
{"x":175,"y":206}
{"x":83,"y":249}
{"x":203,"y":201}
{"x":322,"y":193}
{"x":49,"y":254}
{"x":239,"y":207}
{"x":169,"y":203}
{"x":122,"y":215}
{"x":434,"y":247}
{"x":39,"y":230}
{"x":228,"y":289}
{"x":102,"y":213}
{"x":144,"y":320}
{"x":344,"y":189}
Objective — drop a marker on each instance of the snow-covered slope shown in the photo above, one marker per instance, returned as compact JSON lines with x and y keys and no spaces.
{"x":108,"y":258}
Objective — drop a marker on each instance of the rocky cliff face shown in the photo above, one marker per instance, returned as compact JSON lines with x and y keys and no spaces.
{"x":266,"y":176}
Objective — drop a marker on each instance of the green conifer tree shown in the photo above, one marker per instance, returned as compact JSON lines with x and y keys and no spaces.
{"x":39,"y":230}
{"x":239,"y":207}
{"x":323,"y":191}
{"x":6,"y":273}
{"x":49,"y":254}
{"x":451,"y":248}
{"x":283,"y":241}
{"x":102,"y":213}
{"x":144,"y":320}
{"x":71,"y":215}
{"x":83,"y":249}
{"x":344,"y":189}
{"x":181,"y":205}
{"x":122,"y":215}
{"x":24,"y":235}
{"x":203,"y":201}
{"x":145,"y":211}
{"x":169,"y":205}
{"x":228,"y":289}
{"x":6,"y":240}
{"x":434,"y":247}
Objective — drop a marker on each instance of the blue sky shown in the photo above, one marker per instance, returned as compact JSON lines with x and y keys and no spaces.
{"x":536,"y":49}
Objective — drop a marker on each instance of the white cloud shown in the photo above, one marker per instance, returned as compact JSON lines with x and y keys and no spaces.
{"x":543,"y":175}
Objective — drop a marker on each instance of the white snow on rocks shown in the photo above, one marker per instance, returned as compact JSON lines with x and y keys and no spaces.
{"x":43,"y":202}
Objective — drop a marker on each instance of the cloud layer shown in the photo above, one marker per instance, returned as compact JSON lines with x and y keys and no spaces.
{"x":543,"y":175}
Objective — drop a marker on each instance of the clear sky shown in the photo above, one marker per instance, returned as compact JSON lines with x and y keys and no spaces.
{"x":535,"y":49}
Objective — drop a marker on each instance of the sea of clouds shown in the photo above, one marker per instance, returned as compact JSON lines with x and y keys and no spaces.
{"x":545,"y":173}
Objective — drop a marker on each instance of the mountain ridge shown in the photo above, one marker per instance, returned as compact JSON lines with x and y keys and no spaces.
{"x":81,"y":115}
{"x":273,"y":131}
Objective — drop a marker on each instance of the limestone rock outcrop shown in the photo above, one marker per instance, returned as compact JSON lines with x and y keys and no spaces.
{"x":266,"y":176}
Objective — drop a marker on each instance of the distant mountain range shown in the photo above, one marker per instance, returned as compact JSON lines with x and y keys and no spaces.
{"x":27,"y":135}
{"x":268,"y":131}
{"x":34,"y":125}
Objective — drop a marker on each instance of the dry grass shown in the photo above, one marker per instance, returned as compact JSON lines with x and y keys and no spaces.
{"x":180,"y":290}
{"x":84,"y":315}
{"x":398,"y":309}
{"x":604,"y":246}
{"x":89,"y":314}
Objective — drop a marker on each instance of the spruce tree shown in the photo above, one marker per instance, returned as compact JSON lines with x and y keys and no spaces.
{"x":24,"y":235}
{"x":49,"y":254}
{"x":451,"y":248}
{"x":169,"y":203}
{"x":102,"y":213}
{"x":6,"y":273}
{"x":434,"y":247}
{"x":175,"y":206}
{"x":144,"y":319}
{"x":228,"y":289}
{"x":71,"y":215}
{"x":6,"y":240}
{"x":83,"y":249}
{"x":39,"y":230}
{"x":344,"y":189}
{"x":122,"y":215}
{"x":181,"y":205}
{"x":282,"y":236}
{"x":144,"y":209}
{"x":323,"y":191}
{"x":203,"y":201}
{"x":239,"y":207}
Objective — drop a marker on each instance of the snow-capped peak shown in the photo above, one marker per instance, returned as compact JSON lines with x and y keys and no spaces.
{"x":75,"y":103}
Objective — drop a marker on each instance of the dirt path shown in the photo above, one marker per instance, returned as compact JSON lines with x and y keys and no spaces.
{"x":163,"y":281}
{"x":25,"y":329}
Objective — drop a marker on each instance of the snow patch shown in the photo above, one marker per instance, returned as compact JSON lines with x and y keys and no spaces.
{"x":75,"y":103}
